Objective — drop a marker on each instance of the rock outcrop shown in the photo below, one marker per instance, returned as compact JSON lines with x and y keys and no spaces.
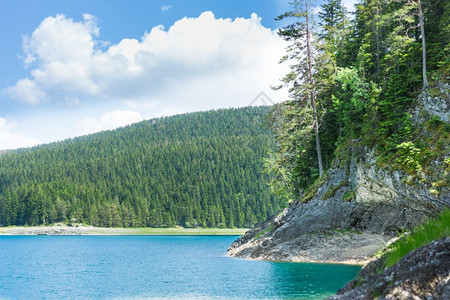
{"x":437,"y":104}
{"x":422,"y":274}
{"x":352,"y":214}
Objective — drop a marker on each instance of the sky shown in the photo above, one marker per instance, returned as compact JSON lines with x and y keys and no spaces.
{"x":70,"y":68}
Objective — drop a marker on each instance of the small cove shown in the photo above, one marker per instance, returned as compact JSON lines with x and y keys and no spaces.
{"x":153,"y":267}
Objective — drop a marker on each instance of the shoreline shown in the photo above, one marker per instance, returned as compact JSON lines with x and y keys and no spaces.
{"x":350,"y":262}
{"x":62,"y":229}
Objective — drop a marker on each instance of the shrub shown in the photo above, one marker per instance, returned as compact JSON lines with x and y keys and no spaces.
{"x":409,"y":156}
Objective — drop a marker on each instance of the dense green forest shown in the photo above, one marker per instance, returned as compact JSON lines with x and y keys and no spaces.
{"x":198,"y":169}
{"x":354,"y":82}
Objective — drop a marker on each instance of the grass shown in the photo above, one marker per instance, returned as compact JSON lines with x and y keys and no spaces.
{"x":63,"y":229}
{"x":172,"y":231}
{"x":312,"y":190}
{"x":263,"y":232}
{"x":345,"y":231}
{"x":332,"y":191}
{"x":347,"y":197}
{"x":424,"y":157}
{"x":431,"y":230}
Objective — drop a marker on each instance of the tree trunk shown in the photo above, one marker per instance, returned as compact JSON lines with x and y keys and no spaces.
{"x":378,"y":44}
{"x":313,"y":100}
{"x":424,"y":49}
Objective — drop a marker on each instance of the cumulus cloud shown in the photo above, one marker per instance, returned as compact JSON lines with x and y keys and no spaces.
{"x":198,"y":63}
{"x":27,"y":91}
{"x":107,"y":121}
{"x":12,"y":140}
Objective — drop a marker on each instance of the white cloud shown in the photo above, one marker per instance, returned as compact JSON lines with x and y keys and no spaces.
{"x":12,"y":140}
{"x":27,"y":91}
{"x":198,"y":63}
{"x":107,"y":121}
{"x":166,"y":8}
{"x":134,"y":104}
{"x":349,"y":5}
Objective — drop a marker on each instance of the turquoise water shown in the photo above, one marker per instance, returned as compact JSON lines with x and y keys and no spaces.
{"x":155,"y":267}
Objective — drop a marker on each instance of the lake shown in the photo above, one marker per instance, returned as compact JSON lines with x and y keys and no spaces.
{"x":155,"y":267}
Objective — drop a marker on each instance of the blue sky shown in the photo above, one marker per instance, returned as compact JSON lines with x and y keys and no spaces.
{"x":118,"y":19}
{"x":70,"y":68}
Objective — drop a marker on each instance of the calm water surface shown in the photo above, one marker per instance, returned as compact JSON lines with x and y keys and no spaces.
{"x":156,"y":267}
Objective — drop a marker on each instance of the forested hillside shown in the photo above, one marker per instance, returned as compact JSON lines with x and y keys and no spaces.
{"x":198,"y":169}
{"x":355,"y":81}
{"x":363,"y":143}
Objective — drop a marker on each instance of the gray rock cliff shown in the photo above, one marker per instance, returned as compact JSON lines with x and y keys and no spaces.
{"x":353,"y":213}
{"x":422,"y":274}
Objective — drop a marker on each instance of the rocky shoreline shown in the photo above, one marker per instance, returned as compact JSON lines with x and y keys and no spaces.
{"x":57,"y":229}
{"x":332,"y":246}
{"x":356,"y":211}
{"x":422,"y":274}
{"x":349,"y":217}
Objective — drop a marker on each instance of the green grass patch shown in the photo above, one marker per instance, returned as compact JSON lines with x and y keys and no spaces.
{"x":263,"y":232}
{"x":312,"y":190}
{"x":431,"y":230}
{"x":332,"y":191}
{"x":376,"y":294}
{"x":422,"y":155}
{"x":171,"y":231}
{"x":345,"y":231}
{"x":347,"y":197}
{"x":79,"y":229}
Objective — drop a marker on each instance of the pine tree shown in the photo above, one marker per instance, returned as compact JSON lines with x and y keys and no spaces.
{"x":334,"y":27}
{"x":301,"y":79}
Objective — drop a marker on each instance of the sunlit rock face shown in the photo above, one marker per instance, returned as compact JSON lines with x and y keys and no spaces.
{"x":354,"y":212}
{"x":358,"y":206}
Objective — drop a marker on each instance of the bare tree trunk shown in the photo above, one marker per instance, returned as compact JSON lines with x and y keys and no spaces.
{"x":378,"y":44}
{"x":313,"y":99}
{"x":424,"y":49}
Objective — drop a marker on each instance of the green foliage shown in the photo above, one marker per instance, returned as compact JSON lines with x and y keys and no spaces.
{"x":351,"y":100}
{"x":199,"y":169}
{"x":368,"y":73}
{"x":431,"y":230}
{"x":376,"y":293}
{"x":263,"y":232}
{"x":434,"y":122}
{"x":409,"y":156}
{"x":332,"y":191}
{"x":312,"y":190}
{"x":304,"y":132}
{"x":335,"y":25}
{"x":347,"y":197}
{"x":293,"y":165}
{"x":347,"y":231}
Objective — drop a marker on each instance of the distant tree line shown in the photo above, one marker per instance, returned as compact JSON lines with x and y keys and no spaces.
{"x":198,"y":169}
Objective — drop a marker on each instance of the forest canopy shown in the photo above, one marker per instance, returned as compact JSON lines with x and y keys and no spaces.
{"x":198,"y":169}
{"x":355,"y":79}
